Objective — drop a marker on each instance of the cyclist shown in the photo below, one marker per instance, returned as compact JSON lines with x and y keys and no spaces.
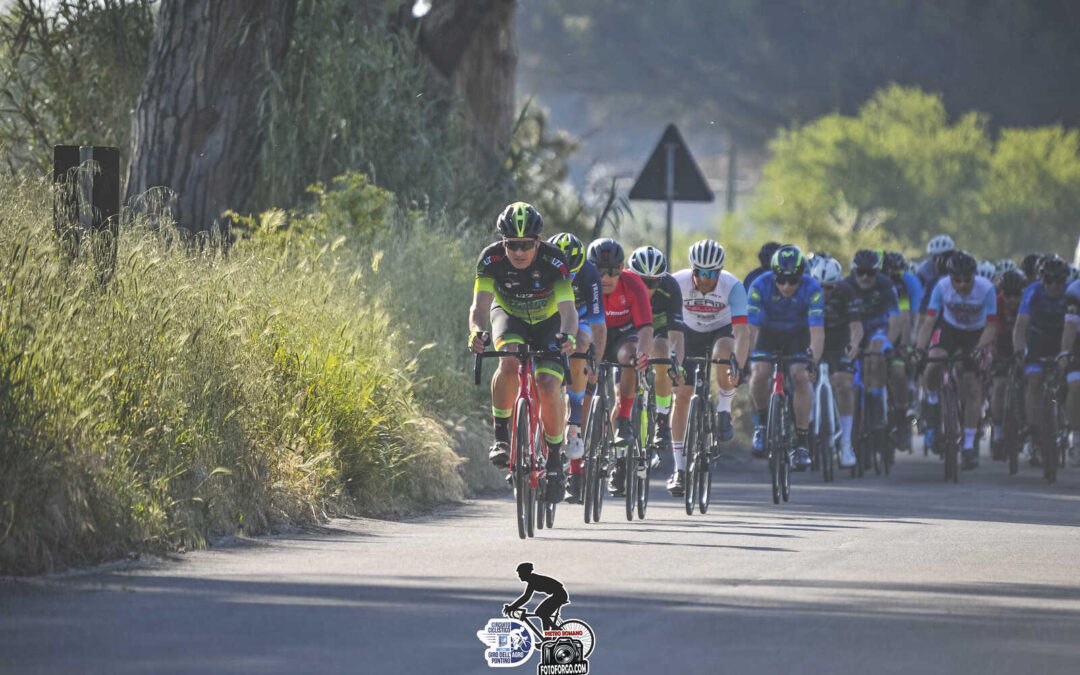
{"x":1067,"y":357}
{"x":786,"y":313}
{"x":589,"y":298}
{"x":878,"y":308}
{"x":843,"y":330}
{"x":1030,"y":265}
{"x":628,"y":314}
{"x":529,"y":283}
{"x":764,"y":256}
{"x":1010,"y":287}
{"x":960,"y":318}
{"x":714,"y":311}
{"x":1004,"y":265}
{"x":553,"y":588}
{"x":1037,"y":333}
{"x":933,"y":268}
{"x":648,"y":262}
{"x":909,"y":294}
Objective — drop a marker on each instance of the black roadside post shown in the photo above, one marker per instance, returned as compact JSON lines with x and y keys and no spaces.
{"x":87,"y":201}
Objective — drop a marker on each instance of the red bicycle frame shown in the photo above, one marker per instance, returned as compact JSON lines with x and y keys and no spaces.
{"x":527,"y":391}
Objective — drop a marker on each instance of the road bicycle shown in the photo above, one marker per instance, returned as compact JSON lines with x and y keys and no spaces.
{"x":1052,"y":428}
{"x":643,"y":419}
{"x":825,"y":428}
{"x":528,"y":451}
{"x":780,"y":424}
{"x":949,"y":427}
{"x":572,"y":628}
{"x":1012,"y":427}
{"x":870,"y":438}
{"x":701,"y":445}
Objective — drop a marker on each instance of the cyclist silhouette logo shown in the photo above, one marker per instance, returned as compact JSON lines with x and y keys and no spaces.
{"x":564,"y":646}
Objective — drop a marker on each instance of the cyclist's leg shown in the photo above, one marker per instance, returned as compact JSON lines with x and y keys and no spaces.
{"x":508,"y":333}
{"x":841,"y":378}
{"x":874,"y":375}
{"x":575,"y":398}
{"x":695,"y":344}
{"x":662,"y":387}
{"x":1072,"y":379}
{"x":971,"y":392}
{"x":722,"y":348}
{"x":549,"y":393}
{"x":547,"y":609}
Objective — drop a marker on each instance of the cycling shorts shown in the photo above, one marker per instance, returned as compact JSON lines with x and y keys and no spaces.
{"x":700,"y":344}
{"x":954,"y":340}
{"x":782,"y":343}
{"x":508,"y":330}
{"x":616,"y":338}
{"x":1040,"y":347}
{"x":879,"y":334}
{"x":838,"y":362}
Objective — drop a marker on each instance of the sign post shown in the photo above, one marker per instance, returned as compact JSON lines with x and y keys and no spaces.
{"x":671,"y":175}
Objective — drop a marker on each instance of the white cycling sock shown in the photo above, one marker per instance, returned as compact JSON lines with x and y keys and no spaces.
{"x":846,"y":422}
{"x":723,"y":402}
{"x":931,"y":397}
{"x":677,"y":452}
{"x":969,"y":438}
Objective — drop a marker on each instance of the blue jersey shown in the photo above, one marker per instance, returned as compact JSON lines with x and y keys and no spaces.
{"x":909,"y":292}
{"x":1047,"y":314}
{"x":876,"y":304}
{"x":588,"y":295}
{"x":767,"y":308}
{"x":928,"y":276}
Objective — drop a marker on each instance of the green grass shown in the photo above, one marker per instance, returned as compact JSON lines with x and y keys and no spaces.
{"x":206,"y":390}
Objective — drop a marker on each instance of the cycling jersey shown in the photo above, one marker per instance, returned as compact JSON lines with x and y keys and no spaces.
{"x":929,"y":277}
{"x":767,"y":308}
{"x":874,"y":305}
{"x":531,"y":294}
{"x":840,"y":311}
{"x":588,"y":295}
{"x":752,"y":276}
{"x":968,"y":312}
{"x":1005,"y":319}
{"x":629,"y":304}
{"x":909,"y":292}
{"x":1072,"y":302}
{"x":722,"y":306}
{"x":1047,"y":314}
{"x":667,"y":306}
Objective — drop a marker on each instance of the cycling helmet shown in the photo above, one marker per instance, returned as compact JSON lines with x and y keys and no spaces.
{"x":941,"y":263}
{"x":1053,"y":268}
{"x":788,"y":261}
{"x":962,"y":264}
{"x":942,"y":243}
{"x":765,"y":254}
{"x":572,"y":247}
{"x":519,"y":220}
{"x":985,"y":268}
{"x":648,"y":261}
{"x":913,"y":266}
{"x":826,"y":271}
{"x":893,"y":262}
{"x":866,"y":260}
{"x":1030,"y":265}
{"x":526,"y":567}
{"x":707,"y":255}
{"x":1012,"y":282}
{"x":1004,"y":265}
{"x":605,"y":253}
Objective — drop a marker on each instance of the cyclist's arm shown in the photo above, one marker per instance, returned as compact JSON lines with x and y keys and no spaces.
{"x":855,"y":333}
{"x":1020,"y":333}
{"x":568,"y":318}
{"x":894,"y":316}
{"x":895,"y":330}
{"x":677,"y":340}
{"x":1072,"y":320}
{"x":905,"y":328}
{"x":520,"y":602}
{"x":815,"y":316}
{"x":480,"y":311}
{"x":645,"y":340}
{"x":742,"y":341}
{"x":990,"y":329}
{"x":817,"y":342}
{"x":926,"y":324}
{"x":738,"y":302}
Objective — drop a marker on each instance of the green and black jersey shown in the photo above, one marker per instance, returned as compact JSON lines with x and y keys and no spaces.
{"x":532,"y":294}
{"x":667,"y":306}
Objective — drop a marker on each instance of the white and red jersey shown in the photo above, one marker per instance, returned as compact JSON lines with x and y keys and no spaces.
{"x":723,"y":305}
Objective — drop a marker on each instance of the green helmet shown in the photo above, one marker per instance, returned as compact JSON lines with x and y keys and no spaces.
{"x":572,"y":247}
{"x":518,"y":221}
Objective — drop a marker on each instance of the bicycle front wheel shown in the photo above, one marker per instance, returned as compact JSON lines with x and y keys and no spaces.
{"x":950,"y":432}
{"x":693,"y":432}
{"x":774,"y":442}
{"x":644,"y":468}
{"x":523,"y":467}
{"x":579,"y":630}
{"x":594,"y":432}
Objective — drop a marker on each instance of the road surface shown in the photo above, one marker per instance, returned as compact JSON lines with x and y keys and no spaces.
{"x":902,"y":574}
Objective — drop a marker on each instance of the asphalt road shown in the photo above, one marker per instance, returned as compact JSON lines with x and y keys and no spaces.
{"x":902,"y":574}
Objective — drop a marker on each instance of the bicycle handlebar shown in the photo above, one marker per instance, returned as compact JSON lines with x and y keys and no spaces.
{"x":525,"y":354}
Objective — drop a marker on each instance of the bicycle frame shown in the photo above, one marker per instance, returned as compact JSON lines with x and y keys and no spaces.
{"x":824,"y":384}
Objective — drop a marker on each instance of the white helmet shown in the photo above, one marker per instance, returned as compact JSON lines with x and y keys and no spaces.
{"x":1004,"y":265}
{"x":985,"y":268}
{"x":942,"y":243}
{"x":826,"y":271}
{"x":648,"y":261}
{"x":707,"y":255}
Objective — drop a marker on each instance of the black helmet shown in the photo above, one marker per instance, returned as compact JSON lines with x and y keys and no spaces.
{"x":788,"y":261}
{"x":942,"y":262}
{"x":572,"y":247}
{"x":1030,"y":265}
{"x":766,"y":253}
{"x":962,"y":264}
{"x":518,"y":221}
{"x":866,"y":260}
{"x":1012,"y":282}
{"x":1053,"y":268}
{"x":526,"y":567}
{"x":605,"y":253}
{"x":894,"y":262}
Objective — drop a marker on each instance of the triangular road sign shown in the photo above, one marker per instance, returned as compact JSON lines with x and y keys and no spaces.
{"x":689,"y":185}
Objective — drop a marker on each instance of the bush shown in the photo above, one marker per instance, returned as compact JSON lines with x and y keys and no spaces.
{"x":197,"y":392}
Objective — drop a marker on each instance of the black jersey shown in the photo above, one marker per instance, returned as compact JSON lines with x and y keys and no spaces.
{"x":667,"y":305}
{"x":840,"y":312}
{"x":531,"y":294}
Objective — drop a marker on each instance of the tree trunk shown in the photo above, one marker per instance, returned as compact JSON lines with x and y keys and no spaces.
{"x":196,"y":125}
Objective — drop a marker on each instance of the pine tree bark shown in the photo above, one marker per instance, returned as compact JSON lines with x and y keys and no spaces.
{"x":195,"y":128}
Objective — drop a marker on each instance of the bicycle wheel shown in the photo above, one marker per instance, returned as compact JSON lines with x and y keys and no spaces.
{"x":950,"y":432}
{"x":1012,"y":423}
{"x":857,"y":444}
{"x":541,"y":480}
{"x":704,"y":470}
{"x":785,"y":465}
{"x":523,"y":493}
{"x":824,"y":441}
{"x":594,"y":431}
{"x":774,"y":442}
{"x":641,"y":500}
{"x":580,"y":631}
{"x":1049,"y":435}
{"x":693,"y":431}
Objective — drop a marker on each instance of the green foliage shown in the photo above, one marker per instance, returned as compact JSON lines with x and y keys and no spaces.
{"x":198,"y":393}
{"x":901,"y":170}
{"x":69,"y":74}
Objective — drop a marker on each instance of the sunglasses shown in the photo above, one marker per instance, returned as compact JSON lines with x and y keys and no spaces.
{"x":519,"y":245}
{"x":652,"y":282}
{"x":865,"y":273}
{"x":707,"y":274}
{"x":1054,"y":280}
{"x":610,"y":271}
{"x":788,"y":281}
{"x":962,"y":280}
